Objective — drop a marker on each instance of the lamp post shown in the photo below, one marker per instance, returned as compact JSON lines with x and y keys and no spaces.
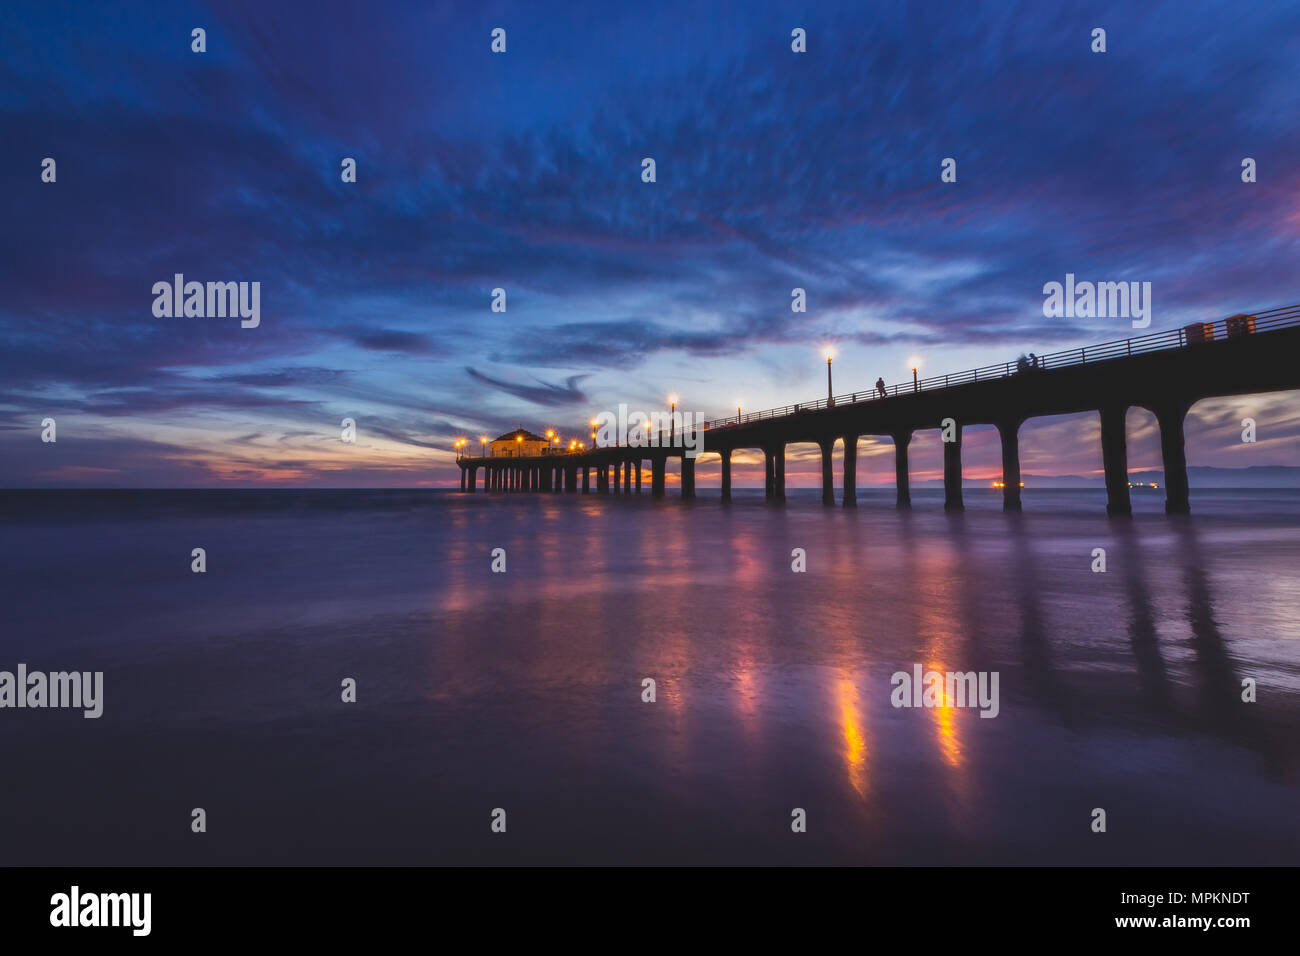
{"x":672,"y":420}
{"x":483,"y":445}
{"x":830,"y":394}
{"x":737,"y":413}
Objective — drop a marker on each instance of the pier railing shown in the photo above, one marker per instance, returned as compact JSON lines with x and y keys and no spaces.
{"x":511,"y":453}
{"x":1191,"y":335}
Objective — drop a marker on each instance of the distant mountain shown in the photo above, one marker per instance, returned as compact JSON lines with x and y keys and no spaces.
{"x":1254,"y":476}
{"x":1198,"y":476}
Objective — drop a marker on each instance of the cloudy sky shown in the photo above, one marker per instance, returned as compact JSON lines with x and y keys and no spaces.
{"x":522,"y":171}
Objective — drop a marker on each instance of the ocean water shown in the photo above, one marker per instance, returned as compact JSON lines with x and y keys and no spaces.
{"x":523,"y":690}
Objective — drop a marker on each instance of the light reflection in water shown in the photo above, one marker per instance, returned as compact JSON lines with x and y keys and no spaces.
{"x":945,"y":719}
{"x":851,"y":727}
{"x":749,"y":577}
{"x":523,"y":688}
{"x":939,"y":622}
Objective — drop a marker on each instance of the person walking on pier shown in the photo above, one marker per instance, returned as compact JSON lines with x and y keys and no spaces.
{"x":880,"y":387}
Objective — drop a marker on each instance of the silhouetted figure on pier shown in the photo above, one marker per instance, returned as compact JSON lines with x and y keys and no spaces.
{"x":1022,"y":365}
{"x":880,"y":387}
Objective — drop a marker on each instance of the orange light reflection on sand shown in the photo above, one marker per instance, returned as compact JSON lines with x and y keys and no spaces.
{"x":855,"y":744}
{"x":945,"y":723}
{"x":936,"y":620}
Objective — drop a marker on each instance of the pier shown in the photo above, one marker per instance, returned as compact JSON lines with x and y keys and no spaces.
{"x":1164,"y":372}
